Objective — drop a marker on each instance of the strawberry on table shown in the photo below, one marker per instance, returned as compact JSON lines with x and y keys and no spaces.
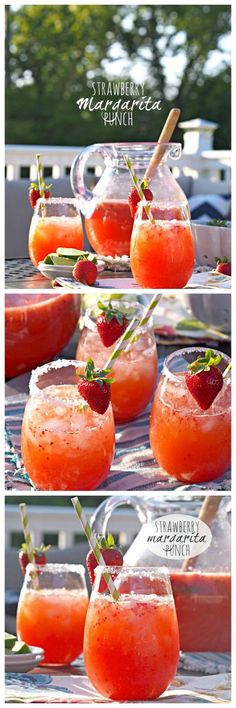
{"x":39,"y":557}
{"x":34,"y":193}
{"x":94,"y":387}
{"x":111,"y":555}
{"x":223,"y":266}
{"x":204,"y":379}
{"x":134,"y":198}
{"x":111,"y":324}
{"x":85,"y":270}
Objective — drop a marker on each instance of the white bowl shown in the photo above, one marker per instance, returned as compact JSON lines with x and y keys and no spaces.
{"x":21,"y":663}
{"x":211,"y":242}
{"x":52,"y":272}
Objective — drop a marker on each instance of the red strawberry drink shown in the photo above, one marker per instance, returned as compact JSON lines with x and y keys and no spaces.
{"x":190,"y":424}
{"x":65,"y":444}
{"x":135,"y":371}
{"x":56,"y":223}
{"x":37,"y":327}
{"x":161,"y":249}
{"x":51,"y":612}
{"x":131,"y":645}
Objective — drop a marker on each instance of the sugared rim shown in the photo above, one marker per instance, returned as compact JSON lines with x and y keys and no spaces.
{"x":56,"y":200}
{"x":44,"y":369}
{"x":133,"y":570}
{"x":57,"y":567}
{"x":188,"y":350}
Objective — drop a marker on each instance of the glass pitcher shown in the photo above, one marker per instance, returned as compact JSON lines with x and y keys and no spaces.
{"x":107,"y":214}
{"x":202,"y":593}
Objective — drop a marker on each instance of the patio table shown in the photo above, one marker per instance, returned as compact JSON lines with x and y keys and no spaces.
{"x":21,"y":274}
{"x":200,"y":678}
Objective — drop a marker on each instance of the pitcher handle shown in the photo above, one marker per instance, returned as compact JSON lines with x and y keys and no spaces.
{"x":87,"y":200}
{"x":101,"y":516}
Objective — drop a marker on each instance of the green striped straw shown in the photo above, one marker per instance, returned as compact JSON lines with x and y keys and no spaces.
{"x":28,"y":541}
{"x":91,"y":538}
{"x":130,"y":333}
{"x":40,"y":175}
{"x":137,"y":186}
{"x":145,"y":318}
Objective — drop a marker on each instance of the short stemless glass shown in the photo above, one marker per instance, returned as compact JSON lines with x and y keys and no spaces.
{"x":65,"y":445}
{"x":52,"y":610}
{"x":190,"y":444}
{"x":161,"y":249}
{"x":135,"y":371}
{"x":56,"y":222}
{"x":131,"y":645}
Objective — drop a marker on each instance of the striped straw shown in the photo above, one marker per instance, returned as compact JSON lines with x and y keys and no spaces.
{"x":145,"y":318}
{"x":28,"y":541}
{"x":137,"y":186}
{"x":40,"y":175}
{"x":130,"y":333}
{"x":91,"y":538}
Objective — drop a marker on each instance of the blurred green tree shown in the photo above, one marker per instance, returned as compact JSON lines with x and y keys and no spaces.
{"x":53,"y":52}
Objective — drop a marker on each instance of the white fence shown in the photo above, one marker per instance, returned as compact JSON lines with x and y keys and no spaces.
{"x":63,"y":522}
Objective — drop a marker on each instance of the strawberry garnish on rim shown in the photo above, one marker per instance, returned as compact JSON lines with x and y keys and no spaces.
{"x":95,"y":388}
{"x":40,"y":557}
{"x":204,"y":379}
{"x":34,"y":193}
{"x":134,"y":198}
{"x":111,"y":324}
{"x":111,"y":555}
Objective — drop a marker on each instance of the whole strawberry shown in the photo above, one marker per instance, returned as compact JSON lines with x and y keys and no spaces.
{"x":34,"y":193}
{"x":95,"y":388}
{"x":223,"y":266}
{"x":111,"y":555}
{"x":111,"y":324}
{"x":134,"y":198}
{"x":85,"y":271}
{"x":40,"y":556}
{"x":204,"y":379}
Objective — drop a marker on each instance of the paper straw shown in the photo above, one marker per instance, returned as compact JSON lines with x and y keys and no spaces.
{"x":91,"y":538}
{"x":138,"y":187}
{"x":40,"y":175}
{"x":145,"y":318}
{"x":28,"y":540}
{"x":130,"y":334}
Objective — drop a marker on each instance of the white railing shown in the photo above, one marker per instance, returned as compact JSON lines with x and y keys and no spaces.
{"x":212,"y":165}
{"x":63,"y":522}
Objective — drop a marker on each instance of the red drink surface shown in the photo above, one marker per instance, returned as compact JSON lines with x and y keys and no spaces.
{"x":203,"y":606}
{"x":162,"y":254}
{"x":109,"y":228}
{"x":65,"y":447}
{"x":188,"y":443}
{"x":37,"y":327}
{"x":131,"y":647}
{"x":53,"y":620}
{"x":135,"y":372}
{"x":49,"y":233}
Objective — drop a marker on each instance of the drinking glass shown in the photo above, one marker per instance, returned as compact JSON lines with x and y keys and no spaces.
{"x":135,"y":370}
{"x":65,"y":445}
{"x":56,"y":222}
{"x":52,"y":609}
{"x":131,"y":645}
{"x":190,"y":444}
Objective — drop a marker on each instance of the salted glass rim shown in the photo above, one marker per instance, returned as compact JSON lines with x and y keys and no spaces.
{"x":56,"y":200}
{"x":188,"y":350}
{"x":57,"y":567}
{"x":44,"y":369}
{"x":133,"y":570}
